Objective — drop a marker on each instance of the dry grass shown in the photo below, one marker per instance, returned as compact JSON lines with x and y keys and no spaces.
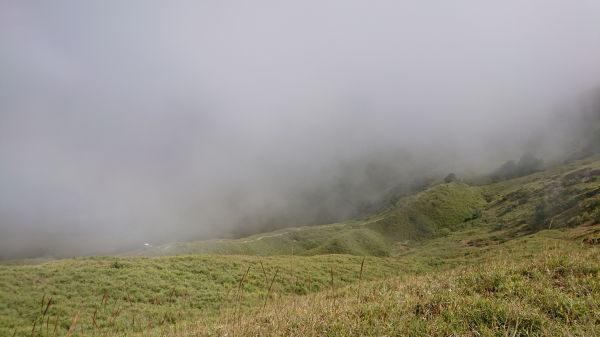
{"x":541,"y":285}
{"x":554,"y":293}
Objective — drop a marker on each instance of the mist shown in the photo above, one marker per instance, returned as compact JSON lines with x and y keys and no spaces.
{"x":146,"y":121}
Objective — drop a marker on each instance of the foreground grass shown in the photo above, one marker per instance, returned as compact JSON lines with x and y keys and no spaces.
{"x":556,"y":293}
{"x":445,"y":285}
{"x":133,"y":294}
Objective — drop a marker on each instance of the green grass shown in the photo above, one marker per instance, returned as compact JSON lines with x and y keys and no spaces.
{"x":164,"y":290}
{"x":554,"y":293}
{"x":570,"y":193}
{"x":180,"y":292}
{"x":525,"y":248}
{"x":437,"y":210}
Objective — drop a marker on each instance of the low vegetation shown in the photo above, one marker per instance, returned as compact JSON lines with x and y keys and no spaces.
{"x":555,"y":293}
{"x":425,"y":215}
{"x":518,"y":257}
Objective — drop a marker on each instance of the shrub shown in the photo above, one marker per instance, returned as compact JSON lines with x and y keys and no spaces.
{"x":527,"y":164}
{"x":541,"y":213}
{"x":117,"y":265}
{"x":450,"y":178}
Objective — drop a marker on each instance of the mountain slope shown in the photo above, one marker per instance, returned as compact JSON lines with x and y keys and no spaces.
{"x":567,"y":195}
{"x":439,"y":209}
{"x":450,"y":236}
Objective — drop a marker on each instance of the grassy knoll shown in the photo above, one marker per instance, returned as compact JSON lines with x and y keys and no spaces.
{"x":436,"y":210}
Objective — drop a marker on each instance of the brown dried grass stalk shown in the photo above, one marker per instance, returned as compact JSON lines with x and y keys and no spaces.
{"x":362,"y":264}
{"x":271,"y":286}
{"x":73,"y":325}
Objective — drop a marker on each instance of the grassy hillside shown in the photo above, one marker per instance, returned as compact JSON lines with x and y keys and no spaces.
{"x":552,"y":293}
{"x":453,"y":258}
{"x":567,"y":195}
{"x":437,"y":210}
{"x":551,"y":279}
{"x":126,"y":293}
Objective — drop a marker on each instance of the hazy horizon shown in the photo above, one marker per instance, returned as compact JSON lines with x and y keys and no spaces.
{"x":145,"y":121}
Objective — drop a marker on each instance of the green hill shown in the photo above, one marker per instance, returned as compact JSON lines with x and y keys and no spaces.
{"x":519,"y":257}
{"x":428,"y":214}
{"x":560,"y":197}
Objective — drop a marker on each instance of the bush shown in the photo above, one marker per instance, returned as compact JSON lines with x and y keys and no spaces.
{"x":527,"y":164}
{"x":117,"y":265}
{"x":450,"y":178}
{"x":541,"y":213}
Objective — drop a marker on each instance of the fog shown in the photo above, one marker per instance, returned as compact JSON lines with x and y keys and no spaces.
{"x":124,"y":122}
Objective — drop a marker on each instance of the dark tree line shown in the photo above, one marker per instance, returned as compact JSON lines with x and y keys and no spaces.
{"x":527,"y":164}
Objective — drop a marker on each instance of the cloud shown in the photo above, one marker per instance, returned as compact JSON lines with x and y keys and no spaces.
{"x":128,"y":122}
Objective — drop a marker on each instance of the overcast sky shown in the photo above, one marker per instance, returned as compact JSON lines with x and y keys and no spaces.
{"x":123,"y":122}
